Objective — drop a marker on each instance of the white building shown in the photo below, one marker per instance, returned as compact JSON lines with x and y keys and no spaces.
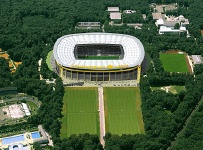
{"x":113,"y":9}
{"x":197,"y":59}
{"x":129,"y":11}
{"x":165,"y":29}
{"x":115,"y":16}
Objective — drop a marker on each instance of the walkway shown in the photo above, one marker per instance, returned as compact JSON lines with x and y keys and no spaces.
{"x":101,"y":115}
{"x":39,"y":63}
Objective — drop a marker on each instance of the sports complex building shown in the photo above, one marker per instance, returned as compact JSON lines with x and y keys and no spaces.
{"x":98,"y":57}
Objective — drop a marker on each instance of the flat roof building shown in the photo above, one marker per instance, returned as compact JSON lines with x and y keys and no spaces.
{"x":129,"y":11}
{"x":87,"y":24}
{"x":197,"y":59}
{"x":165,"y":29}
{"x":156,"y":16}
{"x":115,"y":16}
{"x":113,"y":9}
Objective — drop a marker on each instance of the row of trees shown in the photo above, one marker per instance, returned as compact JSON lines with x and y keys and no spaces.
{"x":5,"y":75}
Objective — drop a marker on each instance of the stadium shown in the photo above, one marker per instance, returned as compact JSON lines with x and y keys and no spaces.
{"x":98,"y":57}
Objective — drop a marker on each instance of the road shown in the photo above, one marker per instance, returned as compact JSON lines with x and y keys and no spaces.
{"x":101,"y":115}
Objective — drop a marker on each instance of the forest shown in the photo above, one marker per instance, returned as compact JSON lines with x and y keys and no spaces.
{"x":28,"y":31}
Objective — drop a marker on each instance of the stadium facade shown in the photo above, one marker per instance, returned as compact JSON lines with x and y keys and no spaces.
{"x":98,"y":57}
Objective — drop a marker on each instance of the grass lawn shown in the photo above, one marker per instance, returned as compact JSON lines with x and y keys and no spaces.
{"x":80,"y":111}
{"x":123,"y":114}
{"x":48,"y":61}
{"x":33,"y":107}
{"x":174,"y":62}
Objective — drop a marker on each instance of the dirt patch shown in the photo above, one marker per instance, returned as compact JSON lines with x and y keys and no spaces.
{"x":202,"y":32}
{"x":17,"y":64}
{"x":5,"y":55}
{"x":188,"y":63}
{"x":10,"y":64}
{"x":173,"y":51}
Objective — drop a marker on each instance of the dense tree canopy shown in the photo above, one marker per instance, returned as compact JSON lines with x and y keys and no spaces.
{"x":29,"y":29}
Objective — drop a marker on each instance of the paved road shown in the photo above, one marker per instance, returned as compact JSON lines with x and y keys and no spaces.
{"x":101,"y":115}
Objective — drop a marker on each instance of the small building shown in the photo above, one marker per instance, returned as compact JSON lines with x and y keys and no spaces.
{"x":129,"y":11}
{"x":135,"y":25}
{"x":156,"y":16}
{"x":113,"y":9}
{"x":159,"y":22}
{"x":115,"y":16}
{"x":197,"y":59}
{"x":88,"y":25}
{"x":26,"y":109}
{"x":165,"y":29}
{"x":144,"y":16}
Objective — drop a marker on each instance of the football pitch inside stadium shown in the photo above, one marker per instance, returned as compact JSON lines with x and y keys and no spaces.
{"x":174,"y":62}
{"x":123,"y":113}
{"x":80,"y":111}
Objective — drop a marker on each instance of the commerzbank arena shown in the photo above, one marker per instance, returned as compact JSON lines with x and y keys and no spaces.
{"x":98,"y":57}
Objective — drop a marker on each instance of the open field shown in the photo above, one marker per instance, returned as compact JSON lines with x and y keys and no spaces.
{"x":48,"y":60}
{"x":80,"y":111}
{"x":174,"y":62}
{"x":172,"y":89}
{"x":123,"y":112}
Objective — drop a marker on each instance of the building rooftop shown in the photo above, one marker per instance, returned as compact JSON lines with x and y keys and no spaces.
{"x":159,"y":22}
{"x":156,"y":16}
{"x":171,"y":23}
{"x":64,"y":50}
{"x":164,"y":29}
{"x":88,"y":24}
{"x":115,"y":15}
{"x":197,"y":59}
{"x":113,"y":9}
{"x":129,"y":11}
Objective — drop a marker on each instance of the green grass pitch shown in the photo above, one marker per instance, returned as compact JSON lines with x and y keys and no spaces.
{"x":123,"y":113}
{"x":99,"y":57}
{"x":174,"y":62}
{"x":80,"y":111}
{"x":48,"y":60}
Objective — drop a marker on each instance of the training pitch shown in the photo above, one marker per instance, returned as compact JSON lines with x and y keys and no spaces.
{"x":174,"y":62}
{"x":80,"y":111}
{"x":123,"y":113}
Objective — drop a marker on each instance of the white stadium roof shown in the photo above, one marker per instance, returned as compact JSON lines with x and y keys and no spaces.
{"x":132,"y":47}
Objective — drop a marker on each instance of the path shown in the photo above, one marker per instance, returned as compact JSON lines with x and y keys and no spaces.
{"x":39,"y":63}
{"x":101,"y":115}
{"x":186,"y":123}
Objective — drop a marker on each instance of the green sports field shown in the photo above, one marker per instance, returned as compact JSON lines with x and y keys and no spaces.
{"x":116,"y":57}
{"x":123,"y":113}
{"x":80,"y":111}
{"x":174,"y":62}
{"x":48,"y":60}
